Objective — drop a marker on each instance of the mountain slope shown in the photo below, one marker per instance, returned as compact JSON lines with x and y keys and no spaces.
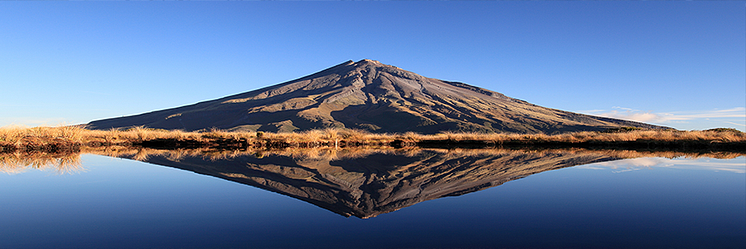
{"x":371,"y":96}
{"x":380,"y":181}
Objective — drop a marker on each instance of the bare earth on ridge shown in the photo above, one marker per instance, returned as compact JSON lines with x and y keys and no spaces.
{"x":372,"y":96}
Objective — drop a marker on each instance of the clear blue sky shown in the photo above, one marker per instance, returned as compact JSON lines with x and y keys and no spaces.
{"x":681,"y":64}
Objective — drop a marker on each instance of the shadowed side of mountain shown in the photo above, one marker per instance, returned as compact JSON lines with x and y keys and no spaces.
{"x":372,"y":96}
{"x":380,"y":182}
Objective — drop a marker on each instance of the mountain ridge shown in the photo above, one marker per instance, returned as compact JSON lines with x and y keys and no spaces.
{"x":372,"y":96}
{"x":379,"y":182}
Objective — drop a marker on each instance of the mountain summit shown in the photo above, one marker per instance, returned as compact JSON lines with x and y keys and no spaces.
{"x":371,"y":96}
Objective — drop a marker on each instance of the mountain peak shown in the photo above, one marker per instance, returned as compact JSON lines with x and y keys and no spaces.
{"x":373,"y":96}
{"x":368,"y":62}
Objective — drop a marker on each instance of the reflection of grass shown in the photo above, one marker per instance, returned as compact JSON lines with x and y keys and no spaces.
{"x":13,"y":163}
{"x":70,"y":138}
{"x":68,"y":162}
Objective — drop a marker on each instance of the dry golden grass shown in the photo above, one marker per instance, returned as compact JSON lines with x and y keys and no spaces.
{"x":583,"y":137}
{"x":18,"y":134}
{"x":15,"y":155}
{"x":59,"y":147}
{"x":65,"y":137}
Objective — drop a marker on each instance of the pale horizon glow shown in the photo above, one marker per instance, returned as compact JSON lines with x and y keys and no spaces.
{"x":733,"y":116}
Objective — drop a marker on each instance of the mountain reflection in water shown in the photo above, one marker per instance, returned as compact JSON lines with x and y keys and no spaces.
{"x":647,"y":201}
{"x":366,"y":183}
{"x":360,"y":182}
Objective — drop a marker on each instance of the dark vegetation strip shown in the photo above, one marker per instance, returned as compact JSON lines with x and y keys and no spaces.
{"x":266,"y":144}
{"x":640,"y":145}
{"x":50,"y":139}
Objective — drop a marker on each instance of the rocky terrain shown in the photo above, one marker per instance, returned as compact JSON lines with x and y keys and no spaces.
{"x":372,"y":96}
{"x":376,"y":182}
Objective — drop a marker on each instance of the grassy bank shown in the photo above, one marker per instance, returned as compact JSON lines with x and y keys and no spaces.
{"x":64,"y":138}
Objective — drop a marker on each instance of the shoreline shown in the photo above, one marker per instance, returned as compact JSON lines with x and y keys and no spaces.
{"x":69,"y":160}
{"x":72,"y":138}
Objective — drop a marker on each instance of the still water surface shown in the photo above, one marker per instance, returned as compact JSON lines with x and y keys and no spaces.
{"x":424,"y":199}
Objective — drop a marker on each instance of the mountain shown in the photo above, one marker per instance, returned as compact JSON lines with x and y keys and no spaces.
{"x":371,"y":183}
{"x":371,"y":96}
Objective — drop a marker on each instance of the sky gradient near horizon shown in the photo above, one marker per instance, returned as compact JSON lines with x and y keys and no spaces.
{"x":678,"y":64}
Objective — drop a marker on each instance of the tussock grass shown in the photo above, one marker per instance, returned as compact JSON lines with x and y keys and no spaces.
{"x":59,"y":148}
{"x":71,"y":137}
{"x":584,"y":137}
{"x":18,"y":134}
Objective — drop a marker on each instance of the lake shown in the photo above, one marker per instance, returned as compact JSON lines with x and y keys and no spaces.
{"x":417,"y":198}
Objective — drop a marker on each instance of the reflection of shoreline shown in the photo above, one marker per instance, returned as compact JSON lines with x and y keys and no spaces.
{"x":382,"y":181}
{"x":141,"y":153}
{"x":69,"y":160}
{"x":369,"y":182}
{"x":736,"y":166}
{"x":65,"y":162}
{"x":355,"y":181}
